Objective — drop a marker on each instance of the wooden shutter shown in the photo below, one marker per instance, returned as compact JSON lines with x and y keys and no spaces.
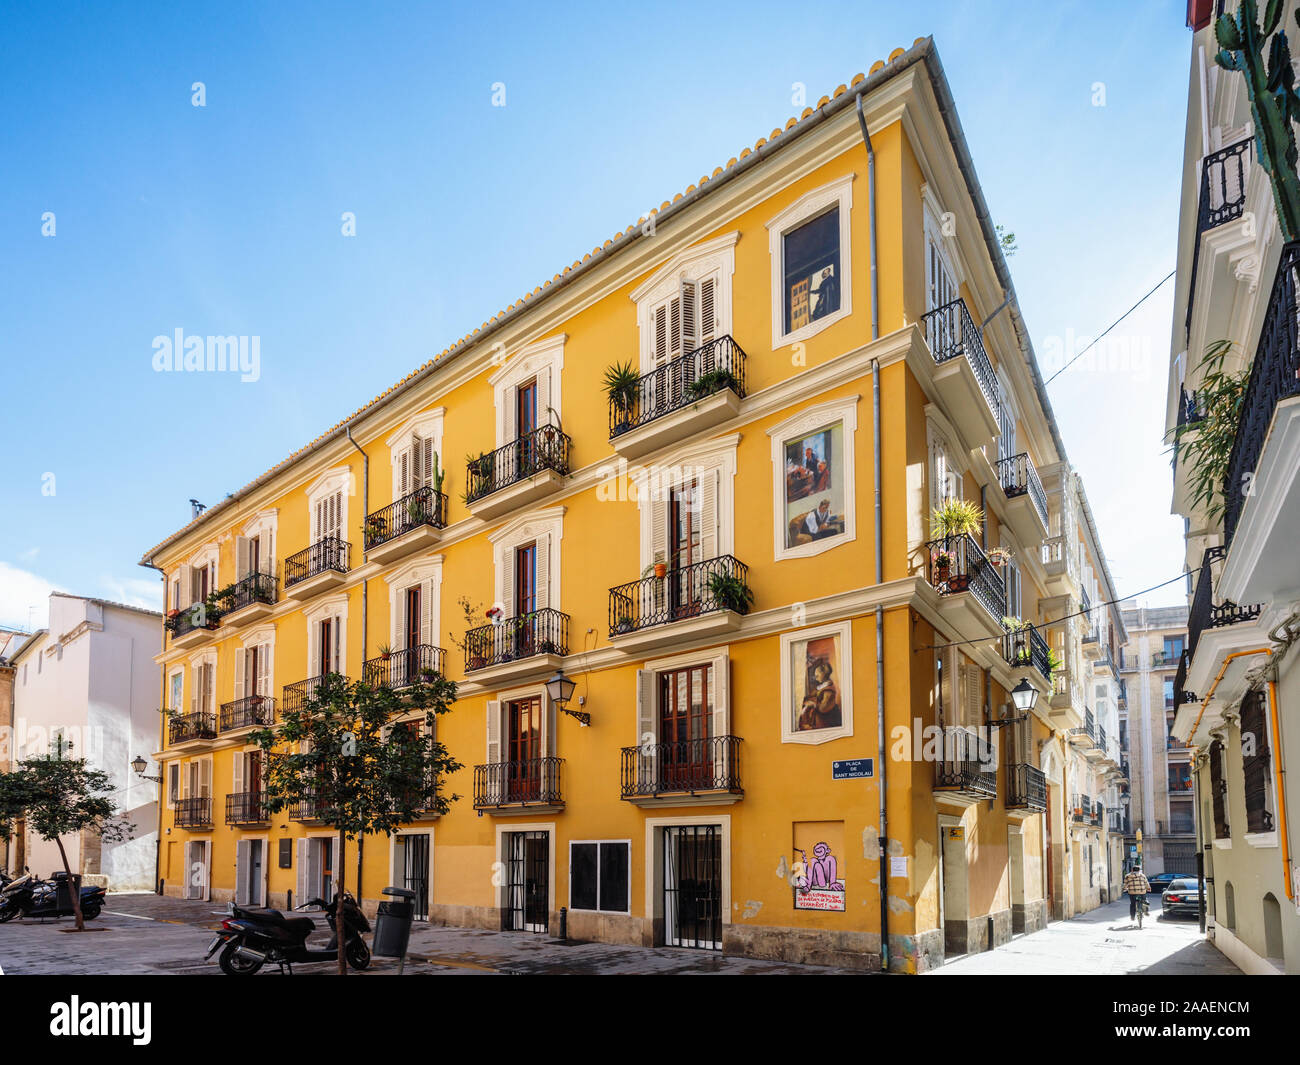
{"x":262,"y":686}
{"x":1255,"y":767}
{"x":173,"y":784}
{"x":241,"y":873}
{"x":241,"y":681}
{"x":506,"y":577}
{"x":549,"y":724}
{"x":647,"y":725}
{"x":404,"y":464}
{"x":720,"y":708}
{"x":241,"y":557}
{"x":708,"y":311}
{"x":544,"y":396}
{"x":336,"y":644}
{"x":205,"y":778}
{"x":301,"y":893}
{"x":493,"y":731}
{"x":690,"y":316}
{"x":675,"y":326}
{"x":237,"y":774}
{"x":1219,"y":790}
{"x":660,"y":319}
{"x":426,"y":611}
{"x":708,"y":513}
{"x":186,"y":585}
{"x":542,"y":573}
{"x":267,"y":551}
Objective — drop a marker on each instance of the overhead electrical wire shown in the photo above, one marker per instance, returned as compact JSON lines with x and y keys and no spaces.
{"x":1112,"y":325}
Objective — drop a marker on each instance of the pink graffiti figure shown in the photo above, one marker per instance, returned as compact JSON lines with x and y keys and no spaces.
{"x":822,"y":869}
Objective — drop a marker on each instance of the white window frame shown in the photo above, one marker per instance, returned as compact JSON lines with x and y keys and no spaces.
{"x":597,"y":843}
{"x":715,"y":258}
{"x":719,"y":658}
{"x":939,"y":441}
{"x":943,"y":243}
{"x":538,"y":524}
{"x":340,"y":480}
{"x":196,"y":664}
{"x":265,"y":522}
{"x":427,"y":425}
{"x":655,"y":484}
{"x":336,"y":606}
{"x":807,"y":207}
{"x":821,"y":416}
{"x":263,"y":637}
{"x":208,"y":557}
{"x":171,"y":679}
{"x":427,"y":573}
{"x":542,"y":356}
{"x":789,"y":734}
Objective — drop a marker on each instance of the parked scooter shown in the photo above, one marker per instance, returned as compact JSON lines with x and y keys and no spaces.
{"x":27,"y":896}
{"x":250,"y":938}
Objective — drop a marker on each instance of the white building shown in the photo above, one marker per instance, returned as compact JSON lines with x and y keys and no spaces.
{"x":90,"y":680}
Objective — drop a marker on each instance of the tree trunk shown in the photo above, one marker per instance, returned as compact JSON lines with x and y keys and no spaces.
{"x":341,"y":931}
{"x":76,"y":888}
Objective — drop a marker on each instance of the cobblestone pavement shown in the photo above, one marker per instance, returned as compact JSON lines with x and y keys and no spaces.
{"x":142,"y":934}
{"x":1103,"y":942}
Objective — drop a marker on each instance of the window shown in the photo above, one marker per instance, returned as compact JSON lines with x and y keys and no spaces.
{"x":810,"y":250}
{"x":1173,"y":648}
{"x":255,"y":549}
{"x":173,"y":784}
{"x":686,"y":303}
{"x":253,"y":668}
{"x":526,"y":389}
{"x":327,"y":637}
{"x":683,"y":723}
{"x":203,"y":687}
{"x":599,"y":876}
{"x":414,"y":451}
{"x":1255,"y":763}
{"x":814,"y":484}
{"x":195,"y":580}
{"x":413,"y":605}
{"x":1169,"y":691}
{"x":1219,"y":789}
{"x":176,"y":690}
{"x":327,"y":501}
{"x":686,"y":511}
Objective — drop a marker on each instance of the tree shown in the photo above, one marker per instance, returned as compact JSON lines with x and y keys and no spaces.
{"x":58,"y":796}
{"x":363,"y":758}
{"x":1204,"y":440}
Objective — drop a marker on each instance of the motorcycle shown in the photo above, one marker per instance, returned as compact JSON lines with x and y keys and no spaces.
{"x":27,"y":896}
{"x":250,"y":938}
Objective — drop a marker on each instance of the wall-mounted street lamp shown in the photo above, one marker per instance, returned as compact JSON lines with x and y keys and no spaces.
{"x":1025,"y":697}
{"x":139,"y":765}
{"x":560,"y":689}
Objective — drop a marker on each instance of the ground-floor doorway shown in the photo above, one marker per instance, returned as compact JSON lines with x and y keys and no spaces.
{"x":528,"y":877}
{"x":250,"y":872}
{"x":415,"y":870}
{"x":692,"y":886}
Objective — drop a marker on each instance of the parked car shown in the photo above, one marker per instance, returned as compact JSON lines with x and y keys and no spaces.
{"x":1162,"y":880}
{"x":1181,"y":896}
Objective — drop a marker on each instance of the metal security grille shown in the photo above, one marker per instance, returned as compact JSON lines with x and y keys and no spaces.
{"x":1179,"y":857}
{"x":527,"y":881}
{"x":693,"y":886}
{"x":415,"y":872}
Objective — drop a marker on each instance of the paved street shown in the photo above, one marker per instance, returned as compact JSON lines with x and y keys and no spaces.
{"x":147,"y":934}
{"x":1103,"y":942}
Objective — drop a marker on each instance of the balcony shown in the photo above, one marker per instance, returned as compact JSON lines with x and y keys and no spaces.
{"x":522,"y":472}
{"x":1067,"y":703}
{"x":702,"y":599}
{"x":1166,"y":659}
{"x":967,"y":772}
{"x":252,"y":711}
{"x":1223,"y":199}
{"x":517,"y":648}
{"x":972,"y":592}
{"x":1026,"y":789}
{"x":1259,"y":528}
{"x":1215,"y":630}
{"x":1058,"y":558}
{"x":963,"y":375}
{"x":1084,"y":736}
{"x":703,"y":772}
{"x":193,"y":626}
{"x":295,"y":696}
{"x":401,"y":669}
{"x":191,"y":729}
{"x":1026,"y":500}
{"x":531,"y":786}
{"x":1025,"y":650}
{"x":415,"y":521}
{"x":309,"y":810}
{"x":194,"y":813}
{"x":317,"y":569}
{"x":247,"y":808}
{"x":251,"y":599}
{"x":691,"y":393}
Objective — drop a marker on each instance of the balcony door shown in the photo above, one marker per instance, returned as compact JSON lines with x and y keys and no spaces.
{"x":685,"y":729}
{"x":520,"y":634}
{"x":523,"y":750}
{"x":525,"y":424}
{"x":684,"y":549}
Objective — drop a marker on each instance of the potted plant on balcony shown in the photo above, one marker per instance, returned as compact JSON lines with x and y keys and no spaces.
{"x":624,"y":624}
{"x":998,"y":556}
{"x":1204,"y":446}
{"x":1053,"y":662}
{"x":713,"y":381}
{"x":955,"y":517}
{"x":942,"y":563}
{"x":621,"y":382}
{"x":730,"y":592}
{"x":385,"y":652}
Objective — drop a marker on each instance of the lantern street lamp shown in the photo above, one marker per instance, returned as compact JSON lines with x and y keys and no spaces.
{"x":139,"y":764}
{"x":560,"y":689}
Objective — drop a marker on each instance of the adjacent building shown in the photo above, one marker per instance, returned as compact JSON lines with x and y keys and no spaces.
{"x":824,"y":347}
{"x":1237,"y":689}
{"x":11,"y":856}
{"x":86,"y":685}
{"x":1160,"y":802}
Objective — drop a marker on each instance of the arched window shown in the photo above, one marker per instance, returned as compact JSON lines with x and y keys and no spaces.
{"x":1273,"y":927}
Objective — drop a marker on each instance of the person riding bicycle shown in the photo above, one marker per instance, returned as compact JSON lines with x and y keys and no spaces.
{"x":1137,"y":887}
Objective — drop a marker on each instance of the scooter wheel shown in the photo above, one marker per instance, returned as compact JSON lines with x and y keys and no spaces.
{"x":7,"y":914}
{"x":90,"y":913}
{"x":358,"y":954}
{"x":233,"y":965}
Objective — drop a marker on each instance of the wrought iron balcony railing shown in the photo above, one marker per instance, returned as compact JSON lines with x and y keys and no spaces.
{"x":255,"y":588}
{"x":331,"y":553}
{"x":1018,"y":477}
{"x":296,"y":695}
{"x":401,"y":669}
{"x":1274,"y":377}
{"x":533,"y":780}
{"x":424,"y":506}
{"x":246,"y":808}
{"x":952,"y":333}
{"x":545,"y":448}
{"x":1026,"y":647}
{"x":1223,"y":198}
{"x":968,"y":764}
{"x":1205,"y":612}
{"x":194,"y":813}
{"x":307,"y":809}
{"x":685,"y":767}
{"x":541,"y":632}
{"x":193,"y":618}
{"x":1026,"y":787}
{"x":687,"y":379}
{"x":683,"y":592}
{"x":250,"y":711}
{"x":195,"y":726}
{"x":958,"y":564}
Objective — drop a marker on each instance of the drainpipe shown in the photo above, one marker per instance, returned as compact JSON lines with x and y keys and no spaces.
{"x":365,"y":604}
{"x":880,"y":616}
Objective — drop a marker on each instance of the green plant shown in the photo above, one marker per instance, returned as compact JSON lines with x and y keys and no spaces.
{"x":385,"y":651}
{"x":730,"y":593}
{"x":1053,"y":660}
{"x":1206,"y":444}
{"x":1013,"y":624}
{"x":439,"y":474}
{"x":998,"y":556}
{"x":621,"y":384}
{"x":713,"y":381}
{"x":955,"y":517}
{"x":1274,"y":104}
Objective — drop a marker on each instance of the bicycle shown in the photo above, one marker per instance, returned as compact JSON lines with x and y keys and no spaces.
{"x":1143,"y":908}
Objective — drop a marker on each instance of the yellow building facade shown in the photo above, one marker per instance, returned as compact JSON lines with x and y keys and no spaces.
{"x":820,"y":350}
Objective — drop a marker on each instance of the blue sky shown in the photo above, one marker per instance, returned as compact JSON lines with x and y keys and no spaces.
{"x":225,"y":219}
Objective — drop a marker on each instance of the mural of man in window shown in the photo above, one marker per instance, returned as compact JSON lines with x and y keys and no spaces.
{"x":826,"y":296}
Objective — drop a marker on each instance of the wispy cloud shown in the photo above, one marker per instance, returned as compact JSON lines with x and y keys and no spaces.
{"x":24,"y":598}
{"x":133,"y":591}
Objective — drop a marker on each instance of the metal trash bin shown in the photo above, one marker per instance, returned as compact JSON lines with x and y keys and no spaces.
{"x":64,"y":886}
{"x":393,"y":923}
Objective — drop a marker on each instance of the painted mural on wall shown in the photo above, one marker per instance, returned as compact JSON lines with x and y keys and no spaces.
{"x":814,"y":486}
{"x":814,"y":672}
{"x":816,"y":880}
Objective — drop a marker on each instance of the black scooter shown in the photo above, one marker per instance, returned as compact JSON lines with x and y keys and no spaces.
{"x":249,"y":938}
{"x":29,"y":897}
